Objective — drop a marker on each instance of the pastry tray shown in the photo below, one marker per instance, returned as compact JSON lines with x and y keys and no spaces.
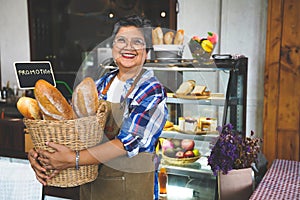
{"x":193,"y":97}
{"x":198,"y":132}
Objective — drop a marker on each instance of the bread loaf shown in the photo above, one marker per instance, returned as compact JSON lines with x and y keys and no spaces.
{"x":198,"y":90}
{"x":168,"y":37}
{"x":29,"y":108}
{"x":85,"y":98}
{"x":51,"y":102}
{"x":157,"y":36}
{"x":179,"y":37}
{"x":186,"y":87}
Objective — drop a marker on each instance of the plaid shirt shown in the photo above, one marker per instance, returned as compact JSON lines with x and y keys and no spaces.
{"x":145,"y":112}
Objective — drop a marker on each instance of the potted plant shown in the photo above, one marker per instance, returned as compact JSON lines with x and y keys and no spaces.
{"x":231,"y":159}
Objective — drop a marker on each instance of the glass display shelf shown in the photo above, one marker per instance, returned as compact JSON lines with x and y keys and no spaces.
{"x":191,"y":65}
{"x":187,"y":65}
{"x":196,"y":169}
{"x":219,"y":101}
{"x":195,"y":180}
{"x":200,"y":137}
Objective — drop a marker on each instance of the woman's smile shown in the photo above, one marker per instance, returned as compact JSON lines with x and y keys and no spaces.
{"x":128,"y":55}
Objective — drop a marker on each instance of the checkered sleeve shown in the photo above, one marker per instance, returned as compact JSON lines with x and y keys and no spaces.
{"x":146,"y":119}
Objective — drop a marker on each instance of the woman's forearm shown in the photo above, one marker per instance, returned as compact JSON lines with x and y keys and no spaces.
{"x":102,"y":153}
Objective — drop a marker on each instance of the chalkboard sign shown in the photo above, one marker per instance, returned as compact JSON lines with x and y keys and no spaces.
{"x":28,"y":73}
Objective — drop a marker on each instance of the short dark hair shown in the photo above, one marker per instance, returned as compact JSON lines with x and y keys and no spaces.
{"x":139,"y":22}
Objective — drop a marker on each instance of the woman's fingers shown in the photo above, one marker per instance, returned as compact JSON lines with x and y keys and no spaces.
{"x":43,"y":153}
{"x":33,"y":159}
{"x":58,"y":147}
{"x":54,"y":173}
{"x":40,"y":161}
{"x":55,"y":146}
{"x":37,"y":168}
{"x":32,"y":154}
{"x":61,"y":158}
{"x":41,"y":177}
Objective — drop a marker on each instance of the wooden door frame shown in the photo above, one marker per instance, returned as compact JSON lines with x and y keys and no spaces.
{"x":281,"y":84}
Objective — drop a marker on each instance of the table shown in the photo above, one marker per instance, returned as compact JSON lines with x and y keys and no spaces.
{"x":18,"y":181}
{"x":281,"y":182}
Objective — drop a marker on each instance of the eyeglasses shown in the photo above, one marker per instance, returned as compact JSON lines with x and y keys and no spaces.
{"x":136,"y":43}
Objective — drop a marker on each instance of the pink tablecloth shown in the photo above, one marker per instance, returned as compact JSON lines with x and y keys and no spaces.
{"x":281,"y":182}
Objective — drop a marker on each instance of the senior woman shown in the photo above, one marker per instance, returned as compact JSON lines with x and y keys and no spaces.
{"x":125,"y":158}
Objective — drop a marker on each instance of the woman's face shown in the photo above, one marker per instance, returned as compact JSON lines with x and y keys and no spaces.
{"x":129,"y":48}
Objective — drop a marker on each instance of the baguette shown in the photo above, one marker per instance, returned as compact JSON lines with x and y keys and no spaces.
{"x":168,"y":37}
{"x":85,"y":98}
{"x":51,"y":102}
{"x":157,"y":36}
{"x":179,"y":37}
{"x":29,"y":108}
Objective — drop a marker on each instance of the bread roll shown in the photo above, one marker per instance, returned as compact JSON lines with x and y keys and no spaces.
{"x":186,"y":87}
{"x":157,"y":36}
{"x":29,"y":108}
{"x":179,"y":37}
{"x":198,"y":90}
{"x":168,"y":37}
{"x":85,"y":98}
{"x":51,"y":102}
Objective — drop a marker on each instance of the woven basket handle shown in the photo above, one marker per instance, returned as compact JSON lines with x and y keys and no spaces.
{"x":102,"y":112}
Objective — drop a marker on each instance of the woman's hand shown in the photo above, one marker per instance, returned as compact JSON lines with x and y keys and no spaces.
{"x":37,"y":168}
{"x":62,"y":158}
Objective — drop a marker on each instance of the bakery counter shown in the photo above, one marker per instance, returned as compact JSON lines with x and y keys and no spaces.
{"x":9,"y":109}
{"x":12,"y":138}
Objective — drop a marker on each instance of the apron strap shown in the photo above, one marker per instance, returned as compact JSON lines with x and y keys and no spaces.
{"x":104,"y":92}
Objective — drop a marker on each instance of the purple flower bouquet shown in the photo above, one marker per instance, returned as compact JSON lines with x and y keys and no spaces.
{"x":232,"y":151}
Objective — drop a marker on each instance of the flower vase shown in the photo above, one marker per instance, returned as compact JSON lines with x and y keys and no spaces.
{"x":236,"y":185}
{"x":198,"y":52}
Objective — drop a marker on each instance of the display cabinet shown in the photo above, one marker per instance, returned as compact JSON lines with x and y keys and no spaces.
{"x":225,"y":79}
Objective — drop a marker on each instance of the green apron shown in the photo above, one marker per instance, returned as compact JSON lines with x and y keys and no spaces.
{"x":122,"y":178}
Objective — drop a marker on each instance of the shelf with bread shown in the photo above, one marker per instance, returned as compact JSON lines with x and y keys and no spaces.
{"x":211,"y":99}
{"x":224,"y":88}
{"x":184,"y":64}
{"x":191,"y":126}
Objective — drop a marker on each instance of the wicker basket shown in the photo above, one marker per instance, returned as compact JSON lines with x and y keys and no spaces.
{"x":77,"y":134}
{"x":179,"y":161}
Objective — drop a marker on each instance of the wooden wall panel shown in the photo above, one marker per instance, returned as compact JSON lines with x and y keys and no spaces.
{"x":288,"y":143}
{"x":288,"y":113}
{"x":282,"y":81}
{"x":271,"y":86}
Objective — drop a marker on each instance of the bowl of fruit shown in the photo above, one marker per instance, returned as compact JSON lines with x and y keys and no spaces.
{"x":179,"y":152}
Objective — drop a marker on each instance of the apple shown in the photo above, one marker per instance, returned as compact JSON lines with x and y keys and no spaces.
{"x":167,"y":144}
{"x":188,"y":154}
{"x":179,"y":154}
{"x":212,"y":37}
{"x":170,"y":152}
{"x":187,"y":144}
{"x":176,"y":142}
{"x":178,"y":149}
